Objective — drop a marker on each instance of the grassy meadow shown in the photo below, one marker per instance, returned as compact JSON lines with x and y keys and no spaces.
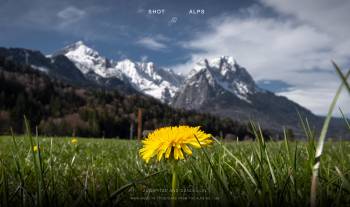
{"x":59,"y":171}
{"x":96,"y":172}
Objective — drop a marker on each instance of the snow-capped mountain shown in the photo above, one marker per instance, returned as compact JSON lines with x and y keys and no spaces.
{"x":218,"y":86}
{"x":212,"y":78}
{"x":85,"y":58}
{"x":143,"y":76}
{"x":149,"y":79}
{"x":58,"y":66}
{"x":226,"y":73}
{"x":221,"y":86}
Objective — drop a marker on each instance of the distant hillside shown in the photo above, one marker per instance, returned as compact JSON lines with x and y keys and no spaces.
{"x":58,"y":108}
{"x":226,"y":89}
{"x":217,"y":86}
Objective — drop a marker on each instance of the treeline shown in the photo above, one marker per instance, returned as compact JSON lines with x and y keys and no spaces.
{"x":56,"y":108}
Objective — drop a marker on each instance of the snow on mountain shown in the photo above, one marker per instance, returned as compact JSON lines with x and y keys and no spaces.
{"x":40,"y":68}
{"x":225,"y":72}
{"x":149,"y":79}
{"x":160,"y":83}
{"x":222,"y":87}
{"x":143,"y":76}
{"x":86,"y":59}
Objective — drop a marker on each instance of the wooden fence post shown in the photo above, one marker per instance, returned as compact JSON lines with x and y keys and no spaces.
{"x":139,"y":124}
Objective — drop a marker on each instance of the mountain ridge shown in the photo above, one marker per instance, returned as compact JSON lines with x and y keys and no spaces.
{"x":145,"y":77}
{"x":226,"y":89}
{"x":218,"y":85}
{"x":56,"y":108}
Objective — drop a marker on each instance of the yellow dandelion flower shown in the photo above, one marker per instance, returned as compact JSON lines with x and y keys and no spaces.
{"x":35,"y":148}
{"x":74,"y":141}
{"x":173,"y":140}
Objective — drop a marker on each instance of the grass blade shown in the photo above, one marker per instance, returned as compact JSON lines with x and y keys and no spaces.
{"x":345,"y":119}
{"x":238,"y":161}
{"x":346,"y":183}
{"x":343,"y":78}
{"x":322,"y":138}
{"x":224,"y":186}
{"x":37,"y":164}
{"x":127,"y":186}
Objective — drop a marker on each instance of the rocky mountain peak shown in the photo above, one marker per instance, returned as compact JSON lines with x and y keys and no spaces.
{"x":143,"y":76}
{"x":85,"y":58}
{"x":224,"y":73}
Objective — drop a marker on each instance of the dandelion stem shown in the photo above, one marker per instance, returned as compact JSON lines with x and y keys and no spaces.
{"x":173,"y":185}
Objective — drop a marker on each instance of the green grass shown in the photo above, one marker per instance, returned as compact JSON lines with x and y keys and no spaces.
{"x":99,"y":172}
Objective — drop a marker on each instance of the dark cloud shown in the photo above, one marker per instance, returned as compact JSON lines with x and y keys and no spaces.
{"x":274,"y":39}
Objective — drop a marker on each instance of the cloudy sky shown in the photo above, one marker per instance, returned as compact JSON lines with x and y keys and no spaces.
{"x":287,"y":45}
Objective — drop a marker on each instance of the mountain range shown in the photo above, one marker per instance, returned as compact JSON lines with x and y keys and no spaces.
{"x":145,"y":77}
{"x":219,"y":86}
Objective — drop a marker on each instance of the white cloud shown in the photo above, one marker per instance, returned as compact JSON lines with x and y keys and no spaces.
{"x":267,"y":45}
{"x":57,"y":16}
{"x":144,"y":58}
{"x":319,"y":99}
{"x":152,"y":43}
{"x":70,"y":15}
{"x":331,"y":16}
{"x":289,"y":49}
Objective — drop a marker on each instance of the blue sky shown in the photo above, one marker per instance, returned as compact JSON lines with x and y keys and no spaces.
{"x":116,"y":28}
{"x":289,"y":42}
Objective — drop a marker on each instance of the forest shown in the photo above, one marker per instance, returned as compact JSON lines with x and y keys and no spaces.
{"x":56,"y":108}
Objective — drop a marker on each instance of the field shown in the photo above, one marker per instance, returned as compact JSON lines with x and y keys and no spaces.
{"x":96,"y":172}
